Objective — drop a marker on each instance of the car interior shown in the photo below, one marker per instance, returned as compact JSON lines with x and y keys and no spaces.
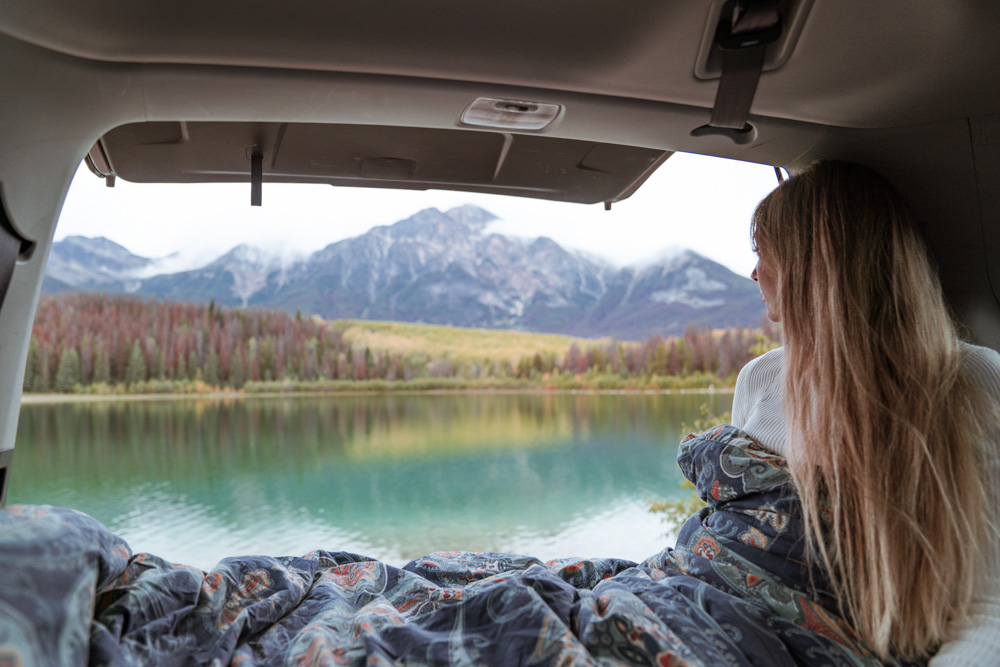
{"x":572,"y":102}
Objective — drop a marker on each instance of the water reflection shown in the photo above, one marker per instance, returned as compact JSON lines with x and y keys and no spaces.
{"x":393,"y":477}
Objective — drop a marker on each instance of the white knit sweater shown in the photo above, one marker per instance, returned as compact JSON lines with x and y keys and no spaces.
{"x":757,"y":410}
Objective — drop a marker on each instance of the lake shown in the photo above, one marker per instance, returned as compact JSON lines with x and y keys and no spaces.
{"x":389,"y":476}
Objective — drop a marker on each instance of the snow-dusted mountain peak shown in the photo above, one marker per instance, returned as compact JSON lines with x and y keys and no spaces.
{"x":437,"y":267}
{"x":249,"y":256}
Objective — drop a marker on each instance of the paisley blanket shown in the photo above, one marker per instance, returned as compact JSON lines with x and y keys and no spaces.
{"x":733,"y":591}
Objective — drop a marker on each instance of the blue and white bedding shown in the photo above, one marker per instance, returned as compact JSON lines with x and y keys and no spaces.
{"x":733,"y":591}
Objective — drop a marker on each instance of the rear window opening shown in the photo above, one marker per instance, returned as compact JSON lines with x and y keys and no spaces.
{"x":389,"y":475}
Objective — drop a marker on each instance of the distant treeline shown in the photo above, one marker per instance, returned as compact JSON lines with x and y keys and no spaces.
{"x":96,"y":343}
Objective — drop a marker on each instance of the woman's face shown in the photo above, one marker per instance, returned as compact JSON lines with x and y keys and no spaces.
{"x":765,"y":274}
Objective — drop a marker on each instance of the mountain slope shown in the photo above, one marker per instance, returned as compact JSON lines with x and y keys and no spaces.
{"x":78,"y":262}
{"x":231,"y":280}
{"x":443,"y":268}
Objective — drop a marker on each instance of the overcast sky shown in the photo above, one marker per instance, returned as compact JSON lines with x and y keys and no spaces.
{"x":690,"y":202}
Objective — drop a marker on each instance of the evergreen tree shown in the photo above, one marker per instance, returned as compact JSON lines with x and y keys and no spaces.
{"x":68,"y":370}
{"x":31,"y":365}
{"x":212,"y":369}
{"x":252,"y":361}
{"x":660,"y":364}
{"x":180,"y":369}
{"x":673,"y":359}
{"x":43,"y":378}
{"x":136,"y":370}
{"x":369,"y":362}
{"x":102,"y":367}
{"x":537,"y":363}
{"x":267,"y":358}
{"x":86,"y":359}
{"x":237,"y":376}
{"x":159,"y":364}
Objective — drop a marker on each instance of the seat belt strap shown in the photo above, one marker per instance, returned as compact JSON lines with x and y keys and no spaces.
{"x":745,"y":29}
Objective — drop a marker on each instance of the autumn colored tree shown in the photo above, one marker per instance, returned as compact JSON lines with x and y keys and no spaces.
{"x":124,"y":339}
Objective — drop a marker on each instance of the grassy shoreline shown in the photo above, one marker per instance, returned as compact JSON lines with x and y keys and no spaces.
{"x":28,"y":399}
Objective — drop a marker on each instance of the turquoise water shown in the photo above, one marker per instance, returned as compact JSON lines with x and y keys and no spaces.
{"x":393,"y":477}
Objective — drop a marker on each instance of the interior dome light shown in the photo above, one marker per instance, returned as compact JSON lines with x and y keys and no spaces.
{"x":510,"y":114}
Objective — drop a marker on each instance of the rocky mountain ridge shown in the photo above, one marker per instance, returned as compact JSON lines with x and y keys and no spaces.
{"x":440,"y":268}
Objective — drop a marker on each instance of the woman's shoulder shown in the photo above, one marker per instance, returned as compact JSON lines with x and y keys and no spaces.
{"x":766,"y":364}
{"x":757,"y":400}
{"x":982,"y":365}
{"x":757,"y":376}
{"x":981,"y":355}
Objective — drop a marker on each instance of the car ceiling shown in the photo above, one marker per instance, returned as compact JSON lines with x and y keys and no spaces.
{"x":927,"y":58}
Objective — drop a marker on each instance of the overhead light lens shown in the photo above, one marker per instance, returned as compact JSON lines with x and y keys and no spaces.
{"x":510,"y":114}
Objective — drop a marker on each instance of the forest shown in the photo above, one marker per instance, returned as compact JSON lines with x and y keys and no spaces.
{"x":116,"y":344}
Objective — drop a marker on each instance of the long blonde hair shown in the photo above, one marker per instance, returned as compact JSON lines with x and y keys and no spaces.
{"x":883,"y":426}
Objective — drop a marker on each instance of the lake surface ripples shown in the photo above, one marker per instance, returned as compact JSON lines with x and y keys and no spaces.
{"x":393,"y":477}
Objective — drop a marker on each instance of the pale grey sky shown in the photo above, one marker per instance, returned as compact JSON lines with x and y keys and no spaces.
{"x":691,"y":202}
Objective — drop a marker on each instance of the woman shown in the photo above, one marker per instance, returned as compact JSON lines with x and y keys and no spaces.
{"x":888,"y":421}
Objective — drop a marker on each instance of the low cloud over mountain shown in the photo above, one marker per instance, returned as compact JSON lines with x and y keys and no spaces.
{"x":439,"y":268}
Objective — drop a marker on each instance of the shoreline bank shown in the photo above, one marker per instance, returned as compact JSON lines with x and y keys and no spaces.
{"x":31,"y":399}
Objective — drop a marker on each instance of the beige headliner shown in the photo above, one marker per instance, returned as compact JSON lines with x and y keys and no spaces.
{"x":929,"y":60}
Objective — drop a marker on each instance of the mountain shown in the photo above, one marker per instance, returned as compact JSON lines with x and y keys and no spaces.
{"x":231,"y":280}
{"x":442,"y":268}
{"x":78,"y":263}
